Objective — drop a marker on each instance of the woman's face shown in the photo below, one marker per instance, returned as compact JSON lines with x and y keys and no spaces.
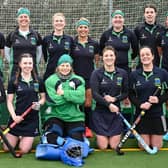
{"x":23,"y":20}
{"x":146,"y":56}
{"x":26,"y":65}
{"x":64,"y":69}
{"x":109,"y":58}
{"x":150,"y":15}
{"x":82,"y":30}
{"x":59,"y":23}
{"x":118,"y":21}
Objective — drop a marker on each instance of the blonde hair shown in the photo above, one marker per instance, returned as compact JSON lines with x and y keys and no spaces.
{"x":58,"y":14}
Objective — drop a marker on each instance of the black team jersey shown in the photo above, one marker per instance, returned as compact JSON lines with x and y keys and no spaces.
{"x":147,"y":36}
{"x":124,"y":42}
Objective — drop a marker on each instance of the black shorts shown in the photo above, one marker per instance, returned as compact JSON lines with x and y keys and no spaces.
{"x":152,"y":126}
{"x":167,"y":122}
{"x":66,"y":127}
{"x":87,"y":83}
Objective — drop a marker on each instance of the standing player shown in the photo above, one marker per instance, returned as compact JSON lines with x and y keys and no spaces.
{"x":27,"y":88}
{"x":143,"y":83}
{"x":109,"y":86}
{"x":56,"y":44}
{"x":85,"y":56}
{"x":148,"y":32}
{"x":122,"y":39}
{"x":23,"y":40}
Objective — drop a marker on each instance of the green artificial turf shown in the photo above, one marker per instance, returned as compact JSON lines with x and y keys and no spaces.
{"x":96,"y":160}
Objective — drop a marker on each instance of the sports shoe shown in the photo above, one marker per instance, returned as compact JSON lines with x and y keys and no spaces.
{"x":165,"y":137}
{"x":88,"y":132}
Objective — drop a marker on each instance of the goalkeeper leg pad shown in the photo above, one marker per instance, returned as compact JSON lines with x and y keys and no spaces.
{"x":48,"y":152}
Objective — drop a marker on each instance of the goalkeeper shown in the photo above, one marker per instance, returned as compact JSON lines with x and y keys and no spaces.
{"x":63,"y":118}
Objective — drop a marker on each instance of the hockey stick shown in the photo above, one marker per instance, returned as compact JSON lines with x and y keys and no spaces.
{"x":128,"y":133}
{"x":12,"y":125}
{"x":139,"y":138}
{"x":11,"y":149}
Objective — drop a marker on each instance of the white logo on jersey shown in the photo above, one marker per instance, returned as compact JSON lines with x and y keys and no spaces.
{"x":17,"y":41}
{"x":103,"y":81}
{"x":50,"y":46}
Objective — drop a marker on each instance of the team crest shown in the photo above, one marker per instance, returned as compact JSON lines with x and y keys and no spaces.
{"x":36,"y":87}
{"x":119,"y":81}
{"x":33,"y":41}
{"x":167,"y":34}
{"x":124,"y":39}
{"x":66,"y":46}
{"x":157,"y":82}
{"x":91,"y":49}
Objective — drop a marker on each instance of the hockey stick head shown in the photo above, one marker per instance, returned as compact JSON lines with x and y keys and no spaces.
{"x":119,"y":152}
{"x":154,"y":150}
{"x":18,"y":155}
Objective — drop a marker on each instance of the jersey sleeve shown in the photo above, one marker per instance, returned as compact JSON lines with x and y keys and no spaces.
{"x":11,"y":87}
{"x":9,"y":40}
{"x":2,"y":41}
{"x":95,"y":83}
{"x":44,"y":49}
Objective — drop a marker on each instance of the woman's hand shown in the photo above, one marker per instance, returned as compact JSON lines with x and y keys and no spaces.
{"x":145,"y":106}
{"x":113,"y":108}
{"x":60,"y":91}
{"x":109,"y":98}
{"x":36,"y":106}
{"x":153,"y":99}
{"x":18,"y":119}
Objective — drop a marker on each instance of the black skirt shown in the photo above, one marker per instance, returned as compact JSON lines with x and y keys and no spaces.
{"x":106,"y":123}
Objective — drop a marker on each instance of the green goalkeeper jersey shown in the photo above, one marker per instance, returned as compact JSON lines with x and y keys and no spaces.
{"x":66,"y":106}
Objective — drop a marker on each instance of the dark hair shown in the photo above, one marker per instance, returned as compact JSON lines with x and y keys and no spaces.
{"x":18,"y":73}
{"x":148,"y":48}
{"x":109,"y":48}
{"x":150,"y":6}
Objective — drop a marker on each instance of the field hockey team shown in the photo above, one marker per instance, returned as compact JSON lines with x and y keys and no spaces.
{"x":85,"y":85}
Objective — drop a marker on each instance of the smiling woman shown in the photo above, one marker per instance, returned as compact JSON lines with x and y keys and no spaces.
{"x":56,"y":44}
{"x":109,"y":87}
{"x":142,"y":84}
{"x":29,"y":92}
{"x":23,"y":40}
